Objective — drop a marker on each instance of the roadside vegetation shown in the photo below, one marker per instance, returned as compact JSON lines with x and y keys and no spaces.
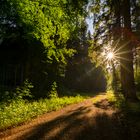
{"x":19,"y":106}
{"x":18,"y":110}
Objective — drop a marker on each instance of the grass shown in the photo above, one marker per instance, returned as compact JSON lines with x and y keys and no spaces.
{"x":97,"y":99}
{"x":19,"y":111}
{"x":116,"y":99}
{"x":119,"y":102}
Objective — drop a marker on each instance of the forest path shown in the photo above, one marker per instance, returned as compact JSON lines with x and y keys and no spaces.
{"x":82,"y":121}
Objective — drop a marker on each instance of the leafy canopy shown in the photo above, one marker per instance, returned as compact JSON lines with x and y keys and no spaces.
{"x":51,"y":22}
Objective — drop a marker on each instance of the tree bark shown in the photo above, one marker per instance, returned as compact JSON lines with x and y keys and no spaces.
{"x":116,"y":34}
{"x":127,"y":71}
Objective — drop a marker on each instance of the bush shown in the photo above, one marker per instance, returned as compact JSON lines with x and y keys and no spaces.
{"x":117,"y":100}
{"x":53,"y":92}
{"x":24,"y":91}
{"x":21,"y":92}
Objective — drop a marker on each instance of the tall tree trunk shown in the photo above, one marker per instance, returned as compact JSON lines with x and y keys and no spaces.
{"x":127,"y":71}
{"x":116,"y":33}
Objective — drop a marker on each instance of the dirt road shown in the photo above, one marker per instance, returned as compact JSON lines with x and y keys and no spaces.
{"x":82,"y":121}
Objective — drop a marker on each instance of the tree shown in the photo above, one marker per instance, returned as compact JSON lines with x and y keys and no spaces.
{"x":46,"y":26}
{"x":112,"y":23}
{"x":127,"y":71}
{"x":82,"y":74}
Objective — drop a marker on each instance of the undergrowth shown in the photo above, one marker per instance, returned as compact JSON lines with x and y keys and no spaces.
{"x":119,"y":101}
{"x":19,"y":110}
{"x":116,"y":99}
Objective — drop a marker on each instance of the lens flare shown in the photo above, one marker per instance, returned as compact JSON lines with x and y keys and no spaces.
{"x":110,"y":55}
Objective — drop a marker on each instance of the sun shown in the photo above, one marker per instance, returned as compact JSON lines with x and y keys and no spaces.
{"x":110,"y":56}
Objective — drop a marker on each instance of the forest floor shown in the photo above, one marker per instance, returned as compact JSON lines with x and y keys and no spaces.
{"x":82,"y":121}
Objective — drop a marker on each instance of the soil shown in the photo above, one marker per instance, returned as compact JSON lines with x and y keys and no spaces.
{"x":82,"y":121}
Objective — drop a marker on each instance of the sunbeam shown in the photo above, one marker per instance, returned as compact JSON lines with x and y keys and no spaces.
{"x":125,"y":67}
{"x":121,"y":58}
{"x":121,"y":47}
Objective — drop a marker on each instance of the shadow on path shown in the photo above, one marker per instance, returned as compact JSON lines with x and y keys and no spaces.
{"x":84,"y":123}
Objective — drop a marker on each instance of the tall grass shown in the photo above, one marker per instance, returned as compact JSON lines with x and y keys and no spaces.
{"x":19,"y":110}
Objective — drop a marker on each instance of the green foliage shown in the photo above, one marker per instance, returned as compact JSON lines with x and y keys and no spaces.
{"x":116,"y":99}
{"x":119,"y":102}
{"x":45,"y":27}
{"x":50,"y":23}
{"x":53,"y":92}
{"x":21,"y":92}
{"x":19,"y":111}
{"x":5,"y":96}
{"x":24,"y":91}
